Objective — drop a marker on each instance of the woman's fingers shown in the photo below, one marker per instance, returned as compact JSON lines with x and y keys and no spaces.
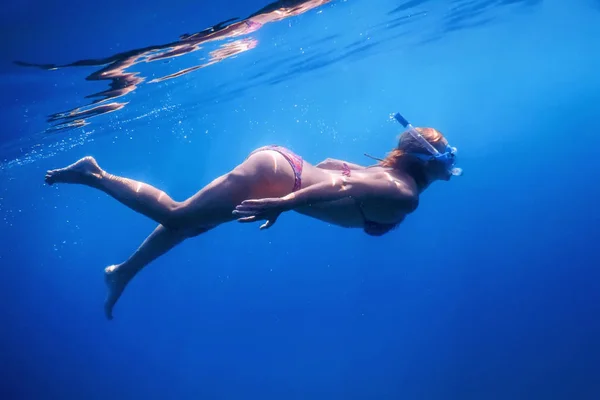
{"x":254,"y":207}
{"x":248,"y":219}
{"x":269,"y":222}
{"x":266,"y":225}
{"x":259,"y":203}
{"x":256,"y":210}
{"x":248,"y":208}
{"x":241,"y":211}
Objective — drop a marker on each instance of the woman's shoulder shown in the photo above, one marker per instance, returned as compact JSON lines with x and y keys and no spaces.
{"x":388,"y":174}
{"x":406,"y":187}
{"x":374,"y":171}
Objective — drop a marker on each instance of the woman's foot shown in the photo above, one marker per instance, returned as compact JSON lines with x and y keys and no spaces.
{"x":83,"y":171}
{"x":115,"y":280}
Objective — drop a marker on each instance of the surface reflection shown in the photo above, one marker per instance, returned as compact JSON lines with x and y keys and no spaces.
{"x":119,"y":69}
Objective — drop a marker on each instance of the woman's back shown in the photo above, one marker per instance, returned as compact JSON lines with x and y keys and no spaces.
{"x":347,"y":212}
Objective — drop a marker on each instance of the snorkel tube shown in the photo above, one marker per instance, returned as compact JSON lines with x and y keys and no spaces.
{"x":448,"y":158}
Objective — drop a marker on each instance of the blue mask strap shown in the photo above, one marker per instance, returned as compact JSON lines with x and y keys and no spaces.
{"x":447,"y":158}
{"x":416,"y":135}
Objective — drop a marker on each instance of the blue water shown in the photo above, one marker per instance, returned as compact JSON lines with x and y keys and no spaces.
{"x":491,"y":290}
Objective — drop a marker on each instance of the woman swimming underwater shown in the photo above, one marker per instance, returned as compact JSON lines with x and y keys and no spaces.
{"x":271,"y":181}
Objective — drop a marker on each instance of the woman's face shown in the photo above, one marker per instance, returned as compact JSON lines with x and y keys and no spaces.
{"x":436,"y":170}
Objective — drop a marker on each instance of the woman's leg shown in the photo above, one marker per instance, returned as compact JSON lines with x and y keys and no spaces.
{"x":138,"y":196}
{"x":158,"y":243}
{"x":210,"y":206}
{"x":263,"y":174}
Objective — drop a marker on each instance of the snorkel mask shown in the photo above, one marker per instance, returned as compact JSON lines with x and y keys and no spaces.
{"x":448,"y":158}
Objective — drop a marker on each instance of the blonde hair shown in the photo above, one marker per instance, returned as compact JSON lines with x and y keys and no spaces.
{"x":408,"y":144}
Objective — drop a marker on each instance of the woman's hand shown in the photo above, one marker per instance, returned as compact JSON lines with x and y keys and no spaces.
{"x":259,"y":210}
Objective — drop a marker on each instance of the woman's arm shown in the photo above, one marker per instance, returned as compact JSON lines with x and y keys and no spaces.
{"x":337,"y":165}
{"x":385,"y":188}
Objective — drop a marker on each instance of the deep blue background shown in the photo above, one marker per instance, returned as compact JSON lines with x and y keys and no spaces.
{"x":491,"y":290}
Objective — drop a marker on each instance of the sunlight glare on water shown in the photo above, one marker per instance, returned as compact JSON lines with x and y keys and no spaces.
{"x":290,"y":42}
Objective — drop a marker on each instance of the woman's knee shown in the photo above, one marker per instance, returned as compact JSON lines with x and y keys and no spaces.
{"x":177,"y":216}
{"x":214,"y":203}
